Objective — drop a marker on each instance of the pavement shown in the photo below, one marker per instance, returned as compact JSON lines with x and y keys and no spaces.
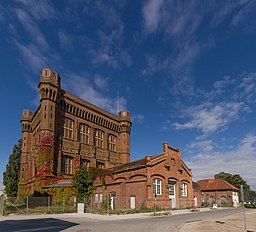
{"x":98,"y":216}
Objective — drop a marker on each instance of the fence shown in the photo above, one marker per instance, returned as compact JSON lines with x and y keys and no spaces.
{"x":36,"y":205}
{"x":107,"y":205}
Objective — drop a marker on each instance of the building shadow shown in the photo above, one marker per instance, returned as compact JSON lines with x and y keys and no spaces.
{"x":44,"y":224}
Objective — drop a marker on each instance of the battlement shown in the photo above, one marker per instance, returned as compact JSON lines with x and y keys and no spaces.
{"x":125,"y":115}
{"x":27,"y":115}
{"x":48,"y":75}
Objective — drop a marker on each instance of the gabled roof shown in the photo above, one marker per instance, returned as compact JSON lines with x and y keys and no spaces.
{"x":147,"y":161}
{"x":215,"y":184}
{"x":129,"y":166}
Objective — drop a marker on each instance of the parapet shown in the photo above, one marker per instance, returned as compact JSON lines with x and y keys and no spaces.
{"x":27,"y":115}
{"x":125,"y":115}
{"x":48,"y":75}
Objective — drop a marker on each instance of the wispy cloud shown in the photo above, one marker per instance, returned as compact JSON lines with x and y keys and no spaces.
{"x":240,"y":160}
{"x":32,"y":28}
{"x":138,"y":118}
{"x":152,"y":14}
{"x":173,"y":20}
{"x":91,"y":91}
{"x":65,"y":40}
{"x":34,"y":58}
{"x":209,"y":118}
{"x":202,"y":146}
{"x":108,"y":48}
{"x":40,"y":10}
{"x":227,"y":102}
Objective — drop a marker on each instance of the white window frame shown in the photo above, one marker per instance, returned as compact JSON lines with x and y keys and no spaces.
{"x":157,"y":186}
{"x":184,"y":190}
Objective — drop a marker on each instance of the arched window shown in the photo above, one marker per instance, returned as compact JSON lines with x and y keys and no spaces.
{"x":184,"y":190}
{"x":157,"y":186}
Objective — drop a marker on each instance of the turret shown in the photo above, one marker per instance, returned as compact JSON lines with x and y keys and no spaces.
{"x":124,"y":136}
{"x":49,"y":88}
{"x":26,"y":119}
{"x":49,"y":91}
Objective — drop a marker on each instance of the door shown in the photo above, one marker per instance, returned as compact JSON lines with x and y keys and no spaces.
{"x":113,"y":200}
{"x":132,"y":201}
{"x":172,"y":193}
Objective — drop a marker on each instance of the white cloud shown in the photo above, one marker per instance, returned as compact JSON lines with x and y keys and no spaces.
{"x":65,"y":40}
{"x":206,"y":146}
{"x":81,"y":86}
{"x":152,"y":14}
{"x":247,"y":8}
{"x":209,"y":118}
{"x":241,"y":160}
{"x":40,"y":10}
{"x":246,"y":88}
{"x":30,"y":25}
{"x":100,"y":82}
{"x":138,"y":118}
{"x":33,"y":57}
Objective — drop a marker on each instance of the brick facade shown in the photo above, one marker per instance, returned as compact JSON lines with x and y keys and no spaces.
{"x":216,"y":191}
{"x":133,"y":184}
{"x":66,"y":131}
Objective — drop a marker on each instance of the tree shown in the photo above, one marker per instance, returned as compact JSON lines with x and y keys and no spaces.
{"x":237,"y":181}
{"x":12,"y":172}
{"x":83,"y":184}
{"x":83,"y":181}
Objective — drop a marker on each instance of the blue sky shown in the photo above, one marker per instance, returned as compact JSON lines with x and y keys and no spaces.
{"x":186,"y":70}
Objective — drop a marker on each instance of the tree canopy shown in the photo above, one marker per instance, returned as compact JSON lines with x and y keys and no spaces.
{"x":83,"y":181}
{"x":83,"y":184}
{"x":237,"y":181}
{"x":11,"y":174}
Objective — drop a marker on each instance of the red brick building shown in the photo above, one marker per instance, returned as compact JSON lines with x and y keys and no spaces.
{"x":66,"y":132}
{"x":163,"y":180}
{"x":217,"y":191}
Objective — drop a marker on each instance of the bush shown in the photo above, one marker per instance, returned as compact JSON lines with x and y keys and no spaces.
{"x":251,"y":206}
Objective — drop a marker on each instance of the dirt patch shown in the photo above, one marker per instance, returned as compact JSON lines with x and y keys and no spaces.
{"x":233,"y":223}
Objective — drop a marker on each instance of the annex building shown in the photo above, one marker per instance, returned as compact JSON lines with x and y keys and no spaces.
{"x":66,"y":132}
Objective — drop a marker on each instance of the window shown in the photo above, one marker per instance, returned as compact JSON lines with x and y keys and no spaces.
{"x":85,"y":163}
{"x":67,"y":165}
{"x":84,"y":133}
{"x":112,"y":143}
{"x":157,"y":188}
{"x":68,"y":129}
{"x":99,"y":138}
{"x":100,"y":165}
{"x":98,"y":198}
{"x":184,"y":190}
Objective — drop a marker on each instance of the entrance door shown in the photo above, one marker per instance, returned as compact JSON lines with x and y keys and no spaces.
{"x":113,"y":200}
{"x":172,"y":193}
{"x":132,"y":200}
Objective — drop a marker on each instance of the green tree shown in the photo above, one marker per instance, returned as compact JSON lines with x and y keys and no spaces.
{"x":237,"y":181}
{"x":83,"y":184}
{"x":12,"y":172}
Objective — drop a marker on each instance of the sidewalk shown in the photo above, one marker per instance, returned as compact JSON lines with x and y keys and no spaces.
{"x":98,"y":216}
{"x":232,"y":223}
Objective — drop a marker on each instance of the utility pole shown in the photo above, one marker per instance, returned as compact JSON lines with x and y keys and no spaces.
{"x":242,"y":199}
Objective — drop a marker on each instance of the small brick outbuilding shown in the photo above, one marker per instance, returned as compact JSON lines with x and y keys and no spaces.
{"x":217,"y":191}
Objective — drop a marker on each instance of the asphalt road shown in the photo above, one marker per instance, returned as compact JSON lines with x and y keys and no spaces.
{"x":156,"y":224}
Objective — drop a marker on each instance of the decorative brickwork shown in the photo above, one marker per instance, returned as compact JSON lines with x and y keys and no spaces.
{"x":52,"y":147}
